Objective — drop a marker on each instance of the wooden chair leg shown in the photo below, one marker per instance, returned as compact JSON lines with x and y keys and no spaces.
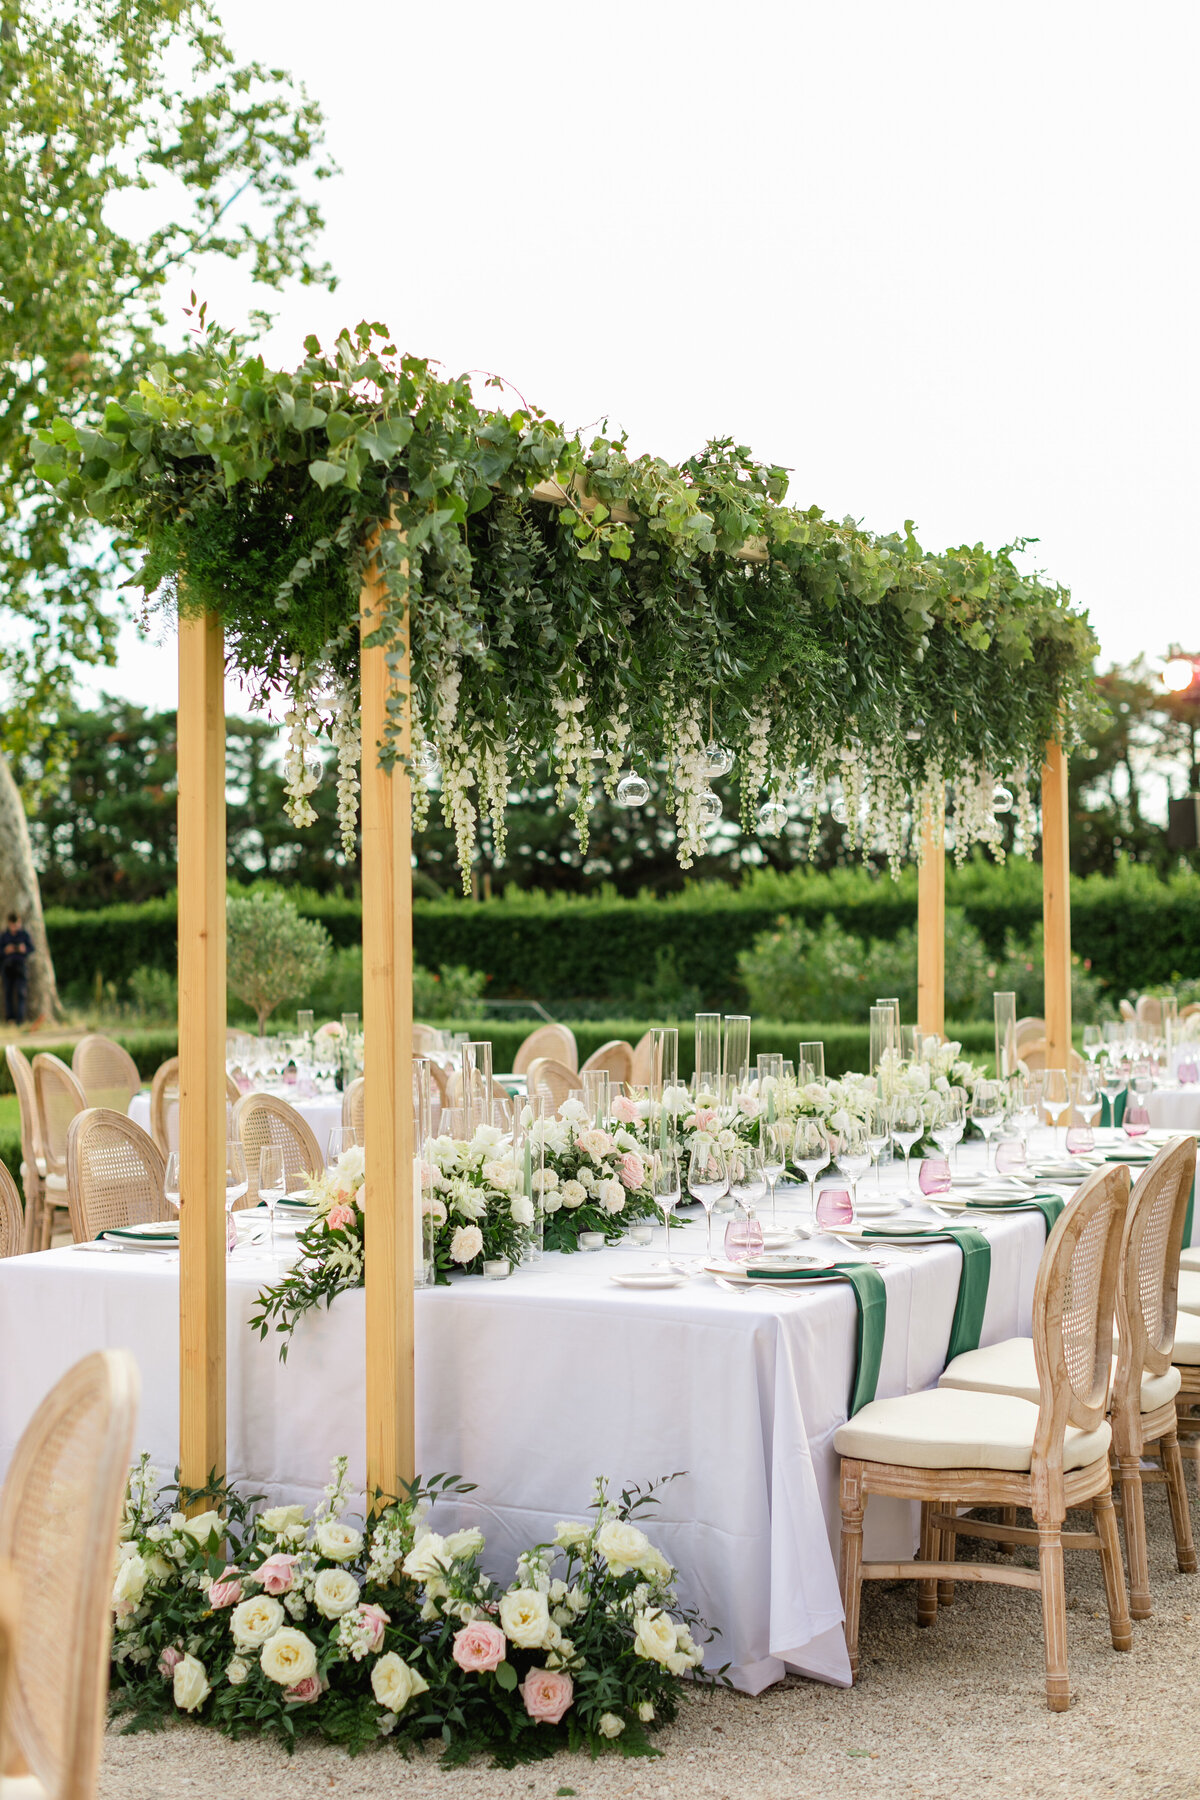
{"x":949,"y":1544}
{"x":927,"y":1591}
{"x":1181,"y":1517}
{"x":1105,"y":1516}
{"x":1008,"y":1517}
{"x":1133,"y":1515}
{"x":1054,"y":1616}
{"x":47,"y":1222}
{"x":29,"y":1237}
{"x":852,"y":1551}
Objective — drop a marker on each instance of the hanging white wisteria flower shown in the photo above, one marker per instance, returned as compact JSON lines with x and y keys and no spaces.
{"x":346,"y":731}
{"x":690,"y":784}
{"x":302,"y":758}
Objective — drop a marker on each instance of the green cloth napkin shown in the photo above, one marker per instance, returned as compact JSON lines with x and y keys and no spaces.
{"x":165,"y":1236}
{"x":1049,"y":1205}
{"x":972,"y":1283}
{"x":871,"y":1297}
{"x":1107,"y":1112}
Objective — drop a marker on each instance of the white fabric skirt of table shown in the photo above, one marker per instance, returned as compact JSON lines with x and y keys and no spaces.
{"x":1175,"y":1109}
{"x":532,"y":1386}
{"x":320,"y":1112}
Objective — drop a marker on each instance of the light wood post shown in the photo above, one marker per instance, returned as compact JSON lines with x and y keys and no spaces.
{"x":201,"y":832}
{"x":387,"y":1026}
{"x":1056,"y":907}
{"x":931,"y":918}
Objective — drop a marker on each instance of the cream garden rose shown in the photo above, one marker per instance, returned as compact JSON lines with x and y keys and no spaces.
{"x":525,"y":1618}
{"x":394,"y":1683}
{"x":254,"y":1621}
{"x":288,"y":1657}
{"x":189,"y":1684}
{"x":335,"y":1591}
{"x":654,"y":1636}
{"x":340,"y":1543}
{"x":622,"y":1545}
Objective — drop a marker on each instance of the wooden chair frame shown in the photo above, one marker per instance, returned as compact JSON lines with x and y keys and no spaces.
{"x":616,"y":1057}
{"x":557,"y":1042}
{"x":105,"y":1200}
{"x":302,"y":1155}
{"x":50,"y":1073}
{"x":164,"y":1085}
{"x":1045,"y":1489}
{"x":12,"y":1220}
{"x":554,"y":1079}
{"x":105,"y":1071}
{"x":33,"y":1152}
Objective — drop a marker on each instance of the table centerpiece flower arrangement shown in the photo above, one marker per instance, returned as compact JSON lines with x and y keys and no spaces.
{"x":594,"y":1178}
{"x":270,"y":1620}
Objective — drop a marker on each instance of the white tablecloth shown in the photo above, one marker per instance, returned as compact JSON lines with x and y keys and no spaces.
{"x":1175,"y":1109}
{"x":320,"y":1113}
{"x":533,"y":1386}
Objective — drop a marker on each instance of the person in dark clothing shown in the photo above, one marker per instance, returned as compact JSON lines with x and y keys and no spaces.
{"x":16,"y":948}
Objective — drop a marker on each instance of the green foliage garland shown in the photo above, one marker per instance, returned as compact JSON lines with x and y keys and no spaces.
{"x":624,"y":626}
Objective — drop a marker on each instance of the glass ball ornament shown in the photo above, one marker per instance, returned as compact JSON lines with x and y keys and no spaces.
{"x":717,"y":760}
{"x":916,"y":731}
{"x":837,"y":811}
{"x":632,"y":790}
{"x":1003,"y":800}
{"x":710,"y":808}
{"x":772,"y":817}
{"x":426,"y":760}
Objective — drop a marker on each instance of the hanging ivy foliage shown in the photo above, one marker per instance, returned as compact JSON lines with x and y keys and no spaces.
{"x":642,"y":613}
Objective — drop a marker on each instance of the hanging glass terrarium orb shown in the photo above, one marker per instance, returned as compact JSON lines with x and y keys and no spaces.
{"x":837,"y":810}
{"x":916,"y":731}
{"x":716,"y":761}
{"x":426,"y":760}
{"x":772,"y":817}
{"x":709,"y":808}
{"x":632,"y":790}
{"x":1002,"y":800}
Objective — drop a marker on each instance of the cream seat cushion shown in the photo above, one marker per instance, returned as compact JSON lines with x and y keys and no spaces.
{"x":1189,"y":1257}
{"x":951,"y":1428}
{"x":1187,"y":1338}
{"x":1189,"y":1290}
{"x":21,"y":1787}
{"x":1009,"y":1368}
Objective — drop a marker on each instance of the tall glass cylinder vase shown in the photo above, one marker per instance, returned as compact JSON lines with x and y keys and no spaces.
{"x":664,"y":1061}
{"x":883,"y":1035}
{"x":810,"y":1062}
{"x":1005,"y":1008}
{"x":1170,"y":1025}
{"x":895,"y":1006}
{"x":597,"y":1096}
{"x":530,"y":1150}
{"x":477,"y":1085}
{"x":424,"y":1223}
{"x":737,"y":1050}
{"x":708,"y":1053}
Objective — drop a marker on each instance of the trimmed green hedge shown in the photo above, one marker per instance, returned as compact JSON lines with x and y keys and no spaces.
{"x":147,"y":1048}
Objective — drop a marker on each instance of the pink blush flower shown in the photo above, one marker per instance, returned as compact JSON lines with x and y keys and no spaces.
{"x":166,"y":1662}
{"x":547,"y":1693}
{"x":631,"y":1169}
{"x":339,"y":1215}
{"x":706,"y":1119}
{"x":625,"y":1109}
{"x":225,"y":1591}
{"x":304,"y":1691}
{"x":479,"y":1646}
{"x":372,"y":1616}
{"x":277,"y":1573}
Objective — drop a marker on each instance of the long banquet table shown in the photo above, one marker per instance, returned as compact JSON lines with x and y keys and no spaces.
{"x":532,"y":1386}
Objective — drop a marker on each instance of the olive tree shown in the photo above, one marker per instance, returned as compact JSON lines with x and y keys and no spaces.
{"x":273,"y":952}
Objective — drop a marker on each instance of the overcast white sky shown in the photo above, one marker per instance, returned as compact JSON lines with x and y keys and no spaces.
{"x":939,"y":259}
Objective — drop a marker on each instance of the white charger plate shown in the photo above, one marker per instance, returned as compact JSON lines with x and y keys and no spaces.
{"x":651,"y":1278}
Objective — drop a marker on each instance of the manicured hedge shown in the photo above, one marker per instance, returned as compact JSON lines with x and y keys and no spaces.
{"x":147,"y":1048}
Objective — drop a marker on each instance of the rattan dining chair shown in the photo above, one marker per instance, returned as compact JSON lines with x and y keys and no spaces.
{"x":553,"y":1080}
{"x":262,"y":1119}
{"x":114,"y":1174}
{"x":33,"y":1155}
{"x":616,"y":1056}
{"x":554,"y":1041}
{"x":354,"y":1108}
{"x":1028,"y":1030}
{"x":107,"y":1073}
{"x":948,"y":1448}
{"x":10,"y":1624}
{"x":1127,"y":1011}
{"x":12,"y":1216}
{"x":1148,"y":1012}
{"x":59,"y":1098}
{"x":1034,"y":1058}
{"x":426,"y":1039}
{"x":164,"y":1106}
{"x":59,"y":1516}
{"x":647,"y":1068}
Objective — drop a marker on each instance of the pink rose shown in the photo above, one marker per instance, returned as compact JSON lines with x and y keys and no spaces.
{"x":547,"y":1693}
{"x":373,"y":1618}
{"x":304,"y":1691}
{"x":625,"y":1109}
{"x":339,"y":1215}
{"x":278,"y":1573}
{"x":631,"y":1169}
{"x":480,"y":1646}
{"x":166,"y":1662}
{"x":224,"y":1591}
{"x":705,"y":1119}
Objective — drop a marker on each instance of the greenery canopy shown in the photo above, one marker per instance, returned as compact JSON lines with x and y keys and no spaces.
{"x":658,"y":613}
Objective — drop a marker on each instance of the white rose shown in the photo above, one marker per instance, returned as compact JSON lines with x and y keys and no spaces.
{"x":573,"y":1194}
{"x":288,"y":1657}
{"x":655,"y":1564}
{"x":572,"y":1111}
{"x":625,"y":1140}
{"x":687,"y":1646}
{"x":727,"y":1139}
{"x":653,"y":1636}
{"x":189,"y":1684}
{"x":427,"y":1557}
{"x":281,"y":1518}
{"x":545,"y":1180}
{"x":611,"y":1195}
{"x":394,"y":1684}
{"x":587,"y":1180}
{"x":203,"y":1525}
{"x":551,"y":1202}
{"x":521,"y":1209}
{"x":340,"y":1543}
{"x":236,"y":1671}
{"x":465,"y":1543}
{"x":129,"y":1585}
{"x":335,"y":1591}
{"x":569,"y":1533}
{"x":254,"y":1621}
{"x":645,"y":1711}
{"x":486,"y":1137}
{"x":610,"y":1725}
{"x":466,"y":1244}
{"x":839,"y":1120}
{"x":351,"y":1166}
{"x":621,"y":1545}
{"x":500,"y":1175}
{"x":525,"y":1617}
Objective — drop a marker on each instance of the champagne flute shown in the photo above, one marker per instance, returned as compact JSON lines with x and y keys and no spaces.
{"x":908,"y":1124}
{"x":853,"y":1157}
{"x":1085,"y":1092}
{"x":774,"y":1156}
{"x":272,"y":1183}
{"x":879,"y":1134}
{"x":747,"y":1185}
{"x":1056,"y":1099}
{"x":1112,"y":1086}
{"x":1137,"y":1107}
{"x":949,"y":1123}
{"x":1093,"y":1042}
{"x":810,"y":1153}
{"x":171,"y":1183}
{"x":664,"y":1178}
{"x":708,"y":1177}
{"x":987,"y":1110}
{"x":235,"y":1189}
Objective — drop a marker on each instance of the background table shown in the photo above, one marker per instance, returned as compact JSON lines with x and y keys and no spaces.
{"x":320,"y":1113}
{"x":1175,"y":1109}
{"x":532,"y":1386}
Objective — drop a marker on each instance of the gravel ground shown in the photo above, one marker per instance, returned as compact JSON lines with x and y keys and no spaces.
{"x":947,"y":1714}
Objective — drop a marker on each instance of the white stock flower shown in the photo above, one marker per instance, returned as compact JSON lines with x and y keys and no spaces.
{"x":288,"y":1657}
{"x":466,"y":1244}
{"x":340,"y":1543}
{"x":253,"y":1621}
{"x":394,"y":1684}
{"x":189,"y":1684}
{"x":335,"y":1591}
{"x":525,"y":1618}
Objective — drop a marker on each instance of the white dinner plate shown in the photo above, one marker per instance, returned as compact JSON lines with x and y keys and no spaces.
{"x":651,"y":1278}
{"x":879,"y":1209}
{"x":776,"y":1238}
{"x":731,"y":1271}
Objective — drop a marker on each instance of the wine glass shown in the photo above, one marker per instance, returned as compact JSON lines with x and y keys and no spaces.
{"x":1093,"y":1042}
{"x":747,"y":1185}
{"x":1137,"y":1106}
{"x":987,"y":1110}
{"x":810,"y":1153}
{"x":171,"y":1184}
{"x":708,"y":1177}
{"x":272,"y":1183}
{"x":774,"y":1138}
{"x":664,"y":1181}
{"x":879,"y":1133}
{"x":341,"y":1139}
{"x":1056,"y":1098}
{"x":1112,"y":1086}
{"x":853,"y":1158}
{"x":949,"y":1123}
{"x":908,"y":1124}
{"x":1085,"y":1093}
{"x":235,"y":1188}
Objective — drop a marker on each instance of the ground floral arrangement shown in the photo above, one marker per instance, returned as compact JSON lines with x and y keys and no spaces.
{"x":481,"y":1200}
{"x":273,"y":1621}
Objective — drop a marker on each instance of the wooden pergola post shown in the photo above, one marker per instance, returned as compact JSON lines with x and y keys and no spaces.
{"x":201,"y":834}
{"x":1056,"y":907}
{"x":387,"y":1026}
{"x":931,"y":917}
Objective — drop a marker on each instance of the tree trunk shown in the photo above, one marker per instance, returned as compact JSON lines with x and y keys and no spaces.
{"x":19,"y":893}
